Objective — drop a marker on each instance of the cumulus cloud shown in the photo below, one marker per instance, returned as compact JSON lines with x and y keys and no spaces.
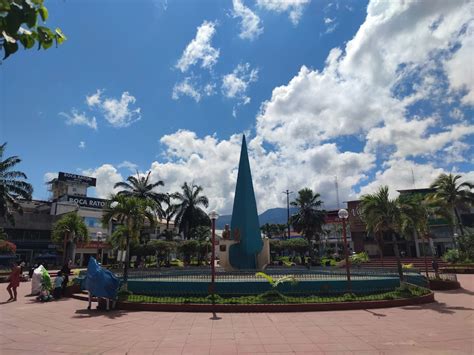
{"x":460,"y":67}
{"x":128,"y":165}
{"x":200,"y":49}
{"x":250,"y":25}
{"x":82,"y":145}
{"x":107,"y":176}
{"x":235,"y":84}
{"x":354,"y":93}
{"x":293,"y":7}
{"x":118,"y":112}
{"x":76,"y":118}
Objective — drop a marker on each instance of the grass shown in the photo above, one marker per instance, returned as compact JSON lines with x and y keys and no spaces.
{"x":275,"y":297}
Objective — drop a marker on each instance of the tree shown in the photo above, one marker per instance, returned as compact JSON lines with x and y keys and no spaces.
{"x":189,"y":213}
{"x":21,"y":13}
{"x":141,"y":187}
{"x":12,"y":186}
{"x":382,"y":215}
{"x":309,"y":218}
{"x":170,"y":211}
{"x":3,"y":234}
{"x":453,"y":195}
{"x":162,"y":250}
{"x":188,"y":248}
{"x":69,"y":230}
{"x":132,"y":212}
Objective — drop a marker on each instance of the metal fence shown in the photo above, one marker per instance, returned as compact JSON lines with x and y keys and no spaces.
{"x":445,"y":277}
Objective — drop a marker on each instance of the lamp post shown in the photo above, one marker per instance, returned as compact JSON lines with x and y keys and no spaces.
{"x":288,"y":192}
{"x":213,"y":216}
{"x":99,"y":237}
{"x":343,"y":215}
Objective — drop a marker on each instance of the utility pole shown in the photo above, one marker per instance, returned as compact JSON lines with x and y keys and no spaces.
{"x":288,"y":192}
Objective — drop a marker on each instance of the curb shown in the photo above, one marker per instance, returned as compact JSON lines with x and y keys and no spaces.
{"x":252,"y":308}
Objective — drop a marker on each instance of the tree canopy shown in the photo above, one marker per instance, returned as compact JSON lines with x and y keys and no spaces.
{"x":20,"y":23}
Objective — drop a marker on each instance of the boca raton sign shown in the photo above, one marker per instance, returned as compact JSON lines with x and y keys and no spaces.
{"x":76,"y":178}
{"x":88,"y":202}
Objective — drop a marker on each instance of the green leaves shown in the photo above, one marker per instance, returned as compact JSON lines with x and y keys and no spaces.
{"x":19,"y":23}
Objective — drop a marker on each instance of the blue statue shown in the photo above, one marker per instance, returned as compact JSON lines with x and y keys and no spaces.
{"x":245,"y":227}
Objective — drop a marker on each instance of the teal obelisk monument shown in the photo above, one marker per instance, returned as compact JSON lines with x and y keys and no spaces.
{"x":245,"y":228}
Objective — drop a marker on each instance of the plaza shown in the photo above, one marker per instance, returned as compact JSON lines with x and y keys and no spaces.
{"x":66,"y":326}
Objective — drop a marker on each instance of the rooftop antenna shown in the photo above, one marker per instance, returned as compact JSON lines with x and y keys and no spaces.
{"x":413,"y":178}
{"x":337,"y":191}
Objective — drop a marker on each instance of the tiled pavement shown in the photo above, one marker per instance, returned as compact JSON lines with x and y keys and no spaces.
{"x":65,"y":326}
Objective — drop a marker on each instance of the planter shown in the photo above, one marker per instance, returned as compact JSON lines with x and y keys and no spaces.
{"x":458,"y":269}
{"x":306,"y":307}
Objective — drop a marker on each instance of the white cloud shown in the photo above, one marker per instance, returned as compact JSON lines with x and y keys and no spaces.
{"x":460,"y":67}
{"x":128,"y":165}
{"x":235,"y":84}
{"x":250,"y":24}
{"x":94,"y":99}
{"x":47,"y":177}
{"x":400,"y":174}
{"x":200,"y":49}
{"x":294,"y":7}
{"x":186,"y":87}
{"x":107,"y":176}
{"x":76,"y":118}
{"x":118,"y":113}
{"x":82,"y":145}
{"x":354,"y":92}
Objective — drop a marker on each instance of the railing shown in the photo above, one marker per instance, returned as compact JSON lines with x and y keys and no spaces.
{"x":442,"y":276}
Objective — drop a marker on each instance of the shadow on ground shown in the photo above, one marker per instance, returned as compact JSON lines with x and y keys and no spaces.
{"x":89,"y":313}
{"x":439,"y":307}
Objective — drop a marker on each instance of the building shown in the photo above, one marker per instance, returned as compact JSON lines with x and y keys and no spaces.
{"x":331,"y":241}
{"x":441,"y":233}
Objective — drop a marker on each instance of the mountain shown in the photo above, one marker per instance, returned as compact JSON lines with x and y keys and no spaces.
{"x":272,"y":216}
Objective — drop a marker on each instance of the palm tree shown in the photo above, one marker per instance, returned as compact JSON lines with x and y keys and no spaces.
{"x":453,"y":195}
{"x":309,"y":219}
{"x":414,"y":219}
{"x":132,"y":212}
{"x":141,"y":187}
{"x":189,"y":213}
{"x":69,"y":230}
{"x":383,"y":215}
{"x":12,"y":186}
{"x":169,"y":212}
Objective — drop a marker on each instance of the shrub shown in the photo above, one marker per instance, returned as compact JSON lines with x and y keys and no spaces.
{"x":360,"y":258}
{"x":452,"y":256}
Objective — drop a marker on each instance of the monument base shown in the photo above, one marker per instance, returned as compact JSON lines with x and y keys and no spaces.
{"x":263,"y":258}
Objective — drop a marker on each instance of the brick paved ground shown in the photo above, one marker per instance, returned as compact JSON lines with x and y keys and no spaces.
{"x":65,"y":326}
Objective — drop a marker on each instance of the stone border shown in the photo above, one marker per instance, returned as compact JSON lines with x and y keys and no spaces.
{"x":444,"y":285}
{"x":247,"y":308}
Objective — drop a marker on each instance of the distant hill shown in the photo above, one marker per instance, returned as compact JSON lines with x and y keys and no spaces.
{"x":272,"y":216}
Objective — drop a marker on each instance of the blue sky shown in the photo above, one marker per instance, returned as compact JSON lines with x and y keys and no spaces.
{"x":366,"y":91}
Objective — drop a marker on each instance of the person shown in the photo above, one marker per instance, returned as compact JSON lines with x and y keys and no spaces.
{"x":66,"y":271}
{"x":14,"y":279}
{"x":435,"y":266}
{"x":58,"y":285}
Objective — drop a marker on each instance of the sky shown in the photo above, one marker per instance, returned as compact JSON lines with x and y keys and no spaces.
{"x":365,"y":93}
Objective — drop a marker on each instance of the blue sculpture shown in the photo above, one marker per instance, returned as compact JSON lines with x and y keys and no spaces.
{"x":101,"y":282}
{"x":245,"y":228}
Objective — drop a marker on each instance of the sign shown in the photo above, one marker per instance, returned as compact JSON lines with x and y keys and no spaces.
{"x":89,"y":202}
{"x":90,"y":181}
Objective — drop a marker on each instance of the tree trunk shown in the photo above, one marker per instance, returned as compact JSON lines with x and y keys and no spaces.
{"x":424,"y":257}
{"x":379,"y":244}
{"x":458,"y":219}
{"x":397,"y":256}
{"x":127,"y":261}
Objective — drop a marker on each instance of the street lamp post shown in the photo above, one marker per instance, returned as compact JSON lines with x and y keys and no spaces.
{"x":99,"y":237}
{"x":343,"y":215}
{"x":213,"y":216}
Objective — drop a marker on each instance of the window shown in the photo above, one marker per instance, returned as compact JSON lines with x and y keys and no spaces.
{"x":93,"y":222}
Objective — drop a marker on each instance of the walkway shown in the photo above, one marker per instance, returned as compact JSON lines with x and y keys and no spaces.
{"x":65,"y":326}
